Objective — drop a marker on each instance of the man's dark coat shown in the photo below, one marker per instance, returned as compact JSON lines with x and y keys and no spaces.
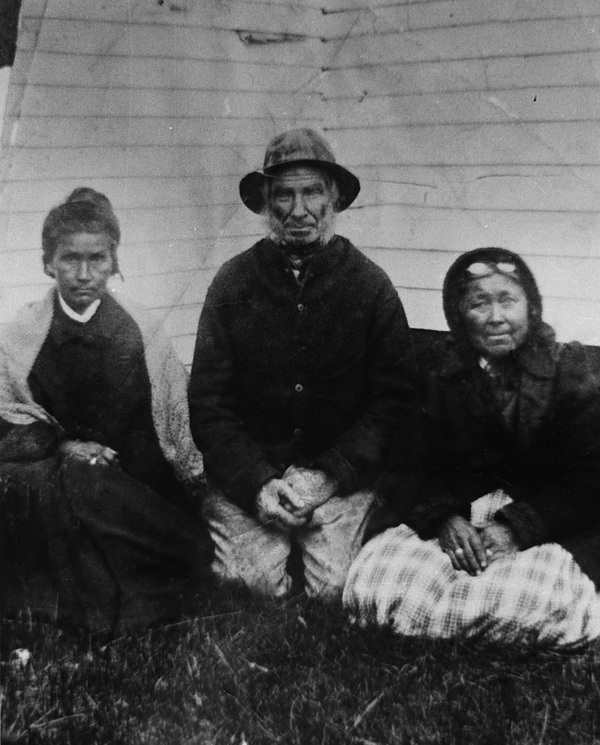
{"x":312,"y":373}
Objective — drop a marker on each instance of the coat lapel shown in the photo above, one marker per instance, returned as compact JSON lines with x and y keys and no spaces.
{"x":538,"y":361}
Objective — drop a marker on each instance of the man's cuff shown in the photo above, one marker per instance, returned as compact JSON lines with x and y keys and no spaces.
{"x":337,"y":467}
{"x":262,"y":473}
{"x":242,"y":490}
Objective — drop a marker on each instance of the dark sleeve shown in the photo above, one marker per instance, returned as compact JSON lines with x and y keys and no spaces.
{"x":27,"y":442}
{"x":356,"y":457}
{"x":414,"y":485}
{"x":411,"y":488}
{"x":562,"y":494}
{"x":231,"y":457}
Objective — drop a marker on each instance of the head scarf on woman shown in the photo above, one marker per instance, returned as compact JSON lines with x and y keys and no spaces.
{"x":481,"y":262}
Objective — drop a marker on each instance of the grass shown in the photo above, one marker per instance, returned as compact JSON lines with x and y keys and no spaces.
{"x":245,"y":672}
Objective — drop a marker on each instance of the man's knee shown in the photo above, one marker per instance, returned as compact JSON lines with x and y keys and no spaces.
{"x":332,"y":541}
{"x":265,"y":582}
{"x":246,"y":552}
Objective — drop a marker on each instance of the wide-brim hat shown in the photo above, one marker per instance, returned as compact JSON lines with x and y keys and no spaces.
{"x":296,"y":148}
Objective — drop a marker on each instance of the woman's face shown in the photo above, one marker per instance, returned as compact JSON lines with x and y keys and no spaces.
{"x":81,"y":265}
{"x":496,"y":315}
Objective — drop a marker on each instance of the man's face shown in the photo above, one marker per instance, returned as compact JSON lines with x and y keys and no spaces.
{"x":81,"y":265}
{"x":300,"y":206}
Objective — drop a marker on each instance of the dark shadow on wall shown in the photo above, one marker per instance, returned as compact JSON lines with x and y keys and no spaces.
{"x":9,"y":24}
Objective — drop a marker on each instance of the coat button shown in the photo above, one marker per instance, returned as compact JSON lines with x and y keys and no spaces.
{"x":301,"y":307}
{"x":298,"y":388}
{"x":297,"y":431}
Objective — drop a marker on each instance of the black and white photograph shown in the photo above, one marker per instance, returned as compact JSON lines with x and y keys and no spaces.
{"x":300,"y":372}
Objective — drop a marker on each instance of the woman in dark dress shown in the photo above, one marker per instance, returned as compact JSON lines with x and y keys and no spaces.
{"x":497,"y":499}
{"x":99,"y":477}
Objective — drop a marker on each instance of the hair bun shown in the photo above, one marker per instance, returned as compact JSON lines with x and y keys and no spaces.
{"x":87,"y":194}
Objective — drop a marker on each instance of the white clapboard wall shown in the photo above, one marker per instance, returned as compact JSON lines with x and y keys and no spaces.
{"x":469,"y":122}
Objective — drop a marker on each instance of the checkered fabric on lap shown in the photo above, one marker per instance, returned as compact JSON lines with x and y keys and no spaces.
{"x":538,"y":596}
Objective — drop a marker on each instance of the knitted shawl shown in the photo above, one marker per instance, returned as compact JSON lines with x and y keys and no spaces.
{"x":22,"y":340}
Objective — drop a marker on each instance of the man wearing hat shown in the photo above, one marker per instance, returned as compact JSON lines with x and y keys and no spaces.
{"x":303,"y":363}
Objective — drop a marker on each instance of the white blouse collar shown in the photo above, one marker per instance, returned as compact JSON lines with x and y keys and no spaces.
{"x":79,"y":317}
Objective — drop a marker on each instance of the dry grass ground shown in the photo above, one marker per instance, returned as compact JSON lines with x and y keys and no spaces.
{"x":245,"y":672}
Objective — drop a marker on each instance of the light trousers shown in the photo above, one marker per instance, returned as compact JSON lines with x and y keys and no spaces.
{"x":256,"y":555}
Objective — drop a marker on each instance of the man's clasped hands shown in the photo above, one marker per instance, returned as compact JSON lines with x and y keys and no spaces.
{"x":291,"y":500}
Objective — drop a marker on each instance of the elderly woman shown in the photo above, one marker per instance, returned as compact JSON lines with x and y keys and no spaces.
{"x":98,"y":471}
{"x":497,"y":501}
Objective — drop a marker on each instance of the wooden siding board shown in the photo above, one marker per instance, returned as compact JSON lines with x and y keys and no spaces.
{"x":512,"y":38}
{"x":424,"y":77}
{"x":61,"y":68}
{"x":383,"y":18}
{"x":574,"y":319}
{"x":396,"y":109}
{"x":543,"y":144}
{"x":158,"y":291}
{"x":77,"y":101}
{"x":197,"y":287}
{"x":452,"y":76}
{"x":20,"y":267}
{"x":545,"y":70}
{"x":531,"y":8}
{"x":423,"y":308}
{"x":131,"y":161}
{"x":184,"y":346}
{"x":461,"y":229}
{"x":13,"y":298}
{"x":111,"y":131}
{"x":135,"y":260}
{"x":183,"y":320}
{"x":119,"y":40}
{"x":513,"y":188}
{"x":557,"y":276}
{"x":273,"y":16}
{"x":468,"y":12}
{"x":40,"y":195}
{"x":141,"y":259}
{"x":170,"y":224}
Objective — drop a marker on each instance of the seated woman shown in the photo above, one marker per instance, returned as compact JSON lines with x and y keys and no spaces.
{"x":98,"y":471}
{"x":497,"y":499}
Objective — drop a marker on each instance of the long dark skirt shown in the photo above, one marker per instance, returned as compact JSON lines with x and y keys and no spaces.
{"x":92,"y":546}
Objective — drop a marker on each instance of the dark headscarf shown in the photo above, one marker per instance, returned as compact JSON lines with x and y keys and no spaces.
{"x":459,"y":277}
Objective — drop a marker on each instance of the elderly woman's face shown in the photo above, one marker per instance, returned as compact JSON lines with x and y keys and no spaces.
{"x":496,"y":315}
{"x":81,"y":265}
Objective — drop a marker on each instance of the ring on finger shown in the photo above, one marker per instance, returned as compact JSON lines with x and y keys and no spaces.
{"x":459,"y":552}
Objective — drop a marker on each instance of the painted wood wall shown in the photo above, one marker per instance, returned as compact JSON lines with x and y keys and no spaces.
{"x":469,"y":122}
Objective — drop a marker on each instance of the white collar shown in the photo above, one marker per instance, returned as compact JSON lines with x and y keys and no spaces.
{"x":79,"y":317}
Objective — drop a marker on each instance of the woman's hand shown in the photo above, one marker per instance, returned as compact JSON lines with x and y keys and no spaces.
{"x":499,"y":540}
{"x":88,"y":451}
{"x":463,"y":544}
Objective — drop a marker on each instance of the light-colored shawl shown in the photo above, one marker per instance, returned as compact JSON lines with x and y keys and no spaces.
{"x":22,"y":340}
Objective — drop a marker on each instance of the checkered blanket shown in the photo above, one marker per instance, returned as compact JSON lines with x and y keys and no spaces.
{"x":538,"y":596}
